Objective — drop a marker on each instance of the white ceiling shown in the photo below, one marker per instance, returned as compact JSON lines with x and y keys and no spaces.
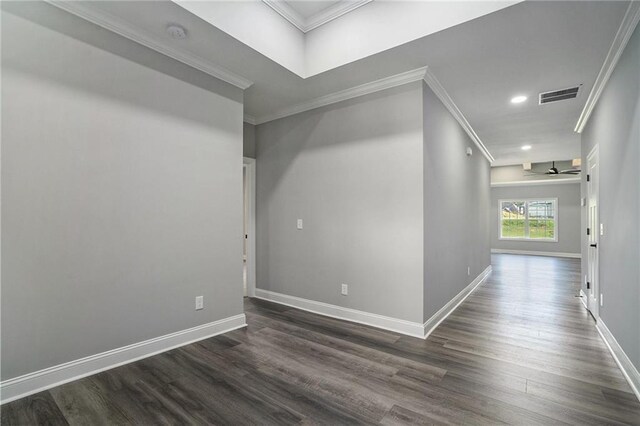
{"x":342,"y":33}
{"x":522,"y":49}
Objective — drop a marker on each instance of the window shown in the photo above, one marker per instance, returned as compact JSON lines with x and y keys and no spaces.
{"x":529,"y":219}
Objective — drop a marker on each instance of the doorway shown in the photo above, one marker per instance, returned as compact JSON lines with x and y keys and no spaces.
{"x":249,"y":226}
{"x":593,"y":234}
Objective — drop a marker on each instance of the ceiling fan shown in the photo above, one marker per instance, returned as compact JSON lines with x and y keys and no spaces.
{"x":554,"y":171}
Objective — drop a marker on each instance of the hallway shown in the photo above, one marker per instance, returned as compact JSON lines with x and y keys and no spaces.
{"x":521,"y":350}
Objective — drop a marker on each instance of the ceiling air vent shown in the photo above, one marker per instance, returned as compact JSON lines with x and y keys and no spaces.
{"x":560,"y":95}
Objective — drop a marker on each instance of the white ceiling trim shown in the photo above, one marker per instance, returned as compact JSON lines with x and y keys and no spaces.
{"x":320,"y":18}
{"x":343,"y":95}
{"x":536,"y":182}
{"x":444,"y":97}
{"x":333,"y":12}
{"x":128,"y":30}
{"x":249,"y":119}
{"x":629,"y":22}
{"x":287,"y":12}
{"x":375,"y":86}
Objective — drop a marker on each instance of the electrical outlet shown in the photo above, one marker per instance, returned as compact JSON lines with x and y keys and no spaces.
{"x":345,"y":289}
{"x":199,"y":302}
{"x":602,"y":229}
{"x":299,"y":224}
{"x":601,"y":301}
{"x":469,"y":270}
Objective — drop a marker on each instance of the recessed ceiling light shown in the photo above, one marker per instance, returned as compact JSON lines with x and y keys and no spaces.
{"x":518,"y":99}
{"x":526,"y":147}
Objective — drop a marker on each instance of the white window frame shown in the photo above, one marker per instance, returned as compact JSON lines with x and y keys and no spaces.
{"x":527,"y":200}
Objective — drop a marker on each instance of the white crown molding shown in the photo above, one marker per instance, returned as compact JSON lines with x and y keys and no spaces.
{"x":333,"y":12}
{"x":119,"y":26}
{"x":444,"y":97}
{"x":288,"y":13}
{"x":418,"y":74}
{"x":320,"y":18}
{"x":451,"y":306}
{"x":343,"y":95}
{"x":249,"y":119}
{"x":537,"y":182}
{"x":48,"y":378}
{"x":629,"y":371}
{"x":629,"y":22}
{"x":414,"y":329}
{"x":537,"y":253}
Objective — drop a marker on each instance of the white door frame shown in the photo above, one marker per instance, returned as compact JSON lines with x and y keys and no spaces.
{"x":593,"y":256}
{"x":250,"y":164}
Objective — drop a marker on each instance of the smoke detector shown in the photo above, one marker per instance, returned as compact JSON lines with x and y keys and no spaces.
{"x":177,"y":32}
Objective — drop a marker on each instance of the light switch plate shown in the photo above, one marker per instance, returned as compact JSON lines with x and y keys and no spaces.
{"x":299,"y":224}
{"x":602,"y":229}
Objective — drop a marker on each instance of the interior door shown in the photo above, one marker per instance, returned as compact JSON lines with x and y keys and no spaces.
{"x":594,"y":233}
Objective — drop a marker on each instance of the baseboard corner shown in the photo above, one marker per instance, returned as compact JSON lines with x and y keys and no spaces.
{"x":409,"y":328}
{"x":442,"y":314}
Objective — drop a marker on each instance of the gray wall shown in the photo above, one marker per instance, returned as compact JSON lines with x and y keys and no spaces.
{"x":121,"y":192}
{"x":248,"y":140}
{"x":456,"y":207}
{"x":515,"y":172}
{"x":353,"y":172}
{"x":568,"y":196}
{"x":615,"y":127}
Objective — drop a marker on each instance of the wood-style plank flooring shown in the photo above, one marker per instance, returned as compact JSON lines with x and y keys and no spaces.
{"x":521,"y":350}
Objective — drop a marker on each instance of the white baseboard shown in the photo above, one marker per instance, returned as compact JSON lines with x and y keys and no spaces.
{"x":446,"y":310}
{"x":537,"y":253}
{"x":409,"y":328}
{"x":629,"y":371}
{"x":38,"y":381}
{"x":583,"y":299}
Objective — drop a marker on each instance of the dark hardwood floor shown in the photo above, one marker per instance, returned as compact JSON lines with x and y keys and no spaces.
{"x":521,"y":350}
